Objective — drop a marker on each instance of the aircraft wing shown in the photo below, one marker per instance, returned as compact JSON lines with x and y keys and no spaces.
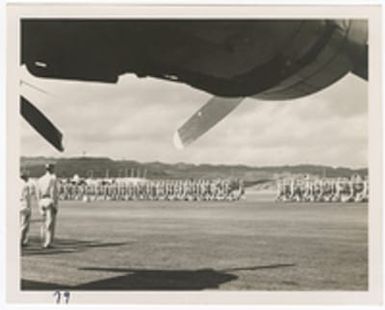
{"x":228,"y":58}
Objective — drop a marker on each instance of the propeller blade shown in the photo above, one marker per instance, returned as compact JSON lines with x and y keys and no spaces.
{"x":41,"y":123}
{"x":22,"y":82}
{"x":205,"y":118}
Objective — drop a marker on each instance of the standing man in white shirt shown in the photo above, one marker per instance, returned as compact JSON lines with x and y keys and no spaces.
{"x":48,"y":195}
{"x":25,"y":207}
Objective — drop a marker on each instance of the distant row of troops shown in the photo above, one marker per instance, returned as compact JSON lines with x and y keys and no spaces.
{"x":170,"y":190}
{"x":355,"y":189}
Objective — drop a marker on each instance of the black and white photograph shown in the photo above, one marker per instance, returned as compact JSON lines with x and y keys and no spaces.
{"x":195,"y":153}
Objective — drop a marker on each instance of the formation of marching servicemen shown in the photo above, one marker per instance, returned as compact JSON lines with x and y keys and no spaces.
{"x":48,"y":190}
{"x":305,"y":189}
{"x":178,"y":190}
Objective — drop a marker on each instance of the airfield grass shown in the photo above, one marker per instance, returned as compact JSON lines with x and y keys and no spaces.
{"x":245,"y":245}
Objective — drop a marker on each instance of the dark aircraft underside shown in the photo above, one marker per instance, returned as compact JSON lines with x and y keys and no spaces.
{"x":269,"y":59}
{"x":265,"y":59}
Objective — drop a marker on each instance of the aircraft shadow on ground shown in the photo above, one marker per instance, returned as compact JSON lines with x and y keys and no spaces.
{"x":63,"y":246}
{"x":152,"y":279}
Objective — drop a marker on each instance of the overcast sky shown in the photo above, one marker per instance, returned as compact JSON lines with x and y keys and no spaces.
{"x":136,"y":119}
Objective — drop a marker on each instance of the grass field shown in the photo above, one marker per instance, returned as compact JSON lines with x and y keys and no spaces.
{"x":247,"y":245}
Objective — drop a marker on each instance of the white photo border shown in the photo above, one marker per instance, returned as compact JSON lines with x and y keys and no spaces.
{"x":372,"y":12}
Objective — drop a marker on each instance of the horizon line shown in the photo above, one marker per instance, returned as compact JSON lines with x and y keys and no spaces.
{"x":195,"y":164}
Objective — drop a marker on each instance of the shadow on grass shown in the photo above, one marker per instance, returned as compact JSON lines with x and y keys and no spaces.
{"x":153,"y":279}
{"x":148,"y":279}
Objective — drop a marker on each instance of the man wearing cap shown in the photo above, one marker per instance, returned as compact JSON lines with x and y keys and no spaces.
{"x":25,"y":210}
{"x":48,"y":204}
